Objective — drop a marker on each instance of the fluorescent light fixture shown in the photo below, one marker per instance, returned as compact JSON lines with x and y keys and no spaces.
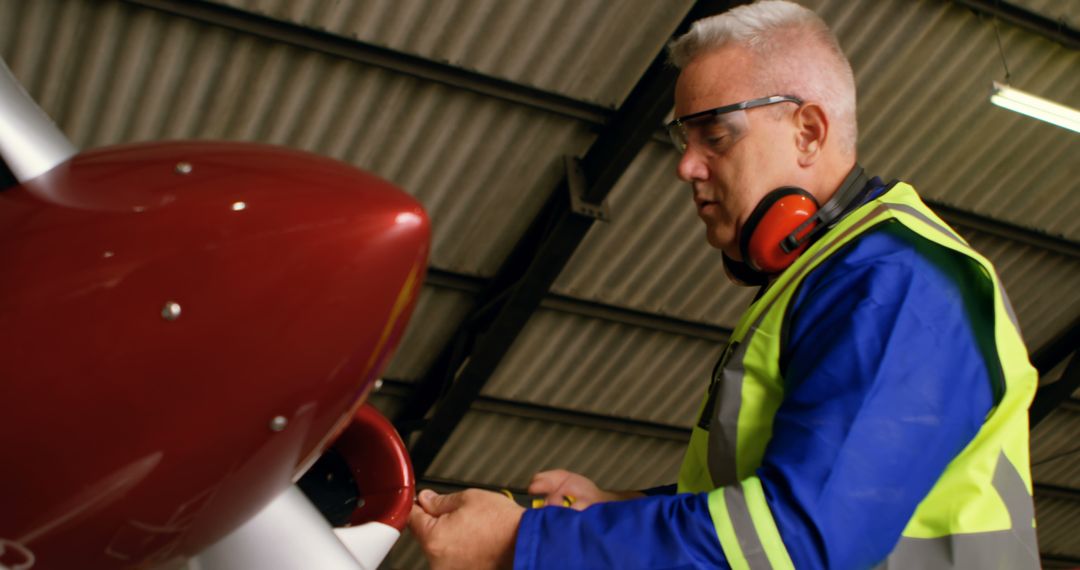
{"x":1037,"y":107}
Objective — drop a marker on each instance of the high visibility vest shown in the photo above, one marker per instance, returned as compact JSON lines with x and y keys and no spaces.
{"x":980,"y":512}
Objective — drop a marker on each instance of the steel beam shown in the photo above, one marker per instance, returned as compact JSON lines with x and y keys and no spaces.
{"x":1012,"y":232}
{"x":1053,"y":30}
{"x":1049,"y":355}
{"x":536,"y":261}
{"x":1056,"y":492}
{"x":1051,"y":395}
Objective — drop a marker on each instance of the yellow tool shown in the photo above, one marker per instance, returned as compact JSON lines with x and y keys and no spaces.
{"x":534,"y":502}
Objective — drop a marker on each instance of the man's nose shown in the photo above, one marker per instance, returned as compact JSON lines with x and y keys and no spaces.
{"x":691,"y":167}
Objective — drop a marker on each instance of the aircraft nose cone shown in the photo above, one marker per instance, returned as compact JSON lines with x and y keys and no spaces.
{"x":192,"y":322}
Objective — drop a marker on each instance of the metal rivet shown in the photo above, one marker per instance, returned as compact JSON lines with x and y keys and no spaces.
{"x":378,"y":384}
{"x":171,"y":311}
{"x":278,"y":423}
{"x":183,"y":167}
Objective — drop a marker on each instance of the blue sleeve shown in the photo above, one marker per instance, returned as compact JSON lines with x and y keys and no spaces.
{"x":662,"y":532}
{"x":886,"y":383}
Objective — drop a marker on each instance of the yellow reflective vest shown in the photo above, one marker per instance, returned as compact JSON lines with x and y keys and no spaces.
{"x":978,"y":515}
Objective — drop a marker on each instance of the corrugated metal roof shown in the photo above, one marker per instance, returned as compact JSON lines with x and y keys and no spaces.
{"x":589,"y":365}
{"x":924,"y":71}
{"x":502,"y":450}
{"x":653,"y":256}
{"x":1057,"y":521}
{"x":574,"y":47}
{"x":439,"y":312}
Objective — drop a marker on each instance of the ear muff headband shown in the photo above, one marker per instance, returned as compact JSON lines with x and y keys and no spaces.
{"x":832,"y":211}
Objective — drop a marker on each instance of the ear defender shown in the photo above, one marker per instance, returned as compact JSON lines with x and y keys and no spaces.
{"x":777,"y":230}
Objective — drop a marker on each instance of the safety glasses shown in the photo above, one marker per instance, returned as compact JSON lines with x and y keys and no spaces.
{"x":715,"y":130}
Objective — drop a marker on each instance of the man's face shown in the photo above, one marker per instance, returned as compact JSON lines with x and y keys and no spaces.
{"x":729,"y":180}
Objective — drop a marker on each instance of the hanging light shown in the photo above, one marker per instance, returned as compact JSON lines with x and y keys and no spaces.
{"x":1043,"y":109}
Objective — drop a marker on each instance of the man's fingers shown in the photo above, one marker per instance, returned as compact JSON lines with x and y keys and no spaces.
{"x":546,"y":482}
{"x":420,"y":523}
{"x":438,"y":505}
{"x":552,"y":499}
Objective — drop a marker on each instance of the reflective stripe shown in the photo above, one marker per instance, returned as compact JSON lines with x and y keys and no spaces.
{"x":996,"y":550}
{"x":1014,"y":493}
{"x":724,"y":425}
{"x":1010,"y":549}
{"x":744,"y":529}
{"x":765,"y":525}
{"x":729,"y":541}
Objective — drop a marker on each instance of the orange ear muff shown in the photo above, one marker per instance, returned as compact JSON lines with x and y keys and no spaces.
{"x":780,"y":213}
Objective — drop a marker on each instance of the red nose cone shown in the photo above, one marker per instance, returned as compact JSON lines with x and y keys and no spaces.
{"x":184,"y":325}
{"x":782,"y":218}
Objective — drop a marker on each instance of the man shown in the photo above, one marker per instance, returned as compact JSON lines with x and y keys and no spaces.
{"x":870,"y":409}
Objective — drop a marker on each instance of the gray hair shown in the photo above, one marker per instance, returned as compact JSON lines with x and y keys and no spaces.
{"x":796,"y":52}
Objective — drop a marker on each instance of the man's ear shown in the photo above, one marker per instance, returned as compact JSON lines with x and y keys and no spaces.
{"x":813,"y":130}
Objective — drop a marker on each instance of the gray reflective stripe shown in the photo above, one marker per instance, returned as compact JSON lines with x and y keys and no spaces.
{"x":743,"y":525}
{"x":998,"y":550}
{"x":1010,"y":549}
{"x":1018,"y":501}
{"x":950,"y":233}
{"x":724,"y":425}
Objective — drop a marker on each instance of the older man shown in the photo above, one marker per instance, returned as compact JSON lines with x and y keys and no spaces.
{"x":870,"y":408}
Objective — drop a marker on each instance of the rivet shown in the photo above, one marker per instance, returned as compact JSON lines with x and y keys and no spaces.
{"x":278,"y":423}
{"x":183,"y":168}
{"x":378,"y":384}
{"x":171,"y":311}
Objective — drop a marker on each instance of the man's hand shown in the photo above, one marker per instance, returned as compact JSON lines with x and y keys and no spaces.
{"x":470,"y":530}
{"x":559,"y":483}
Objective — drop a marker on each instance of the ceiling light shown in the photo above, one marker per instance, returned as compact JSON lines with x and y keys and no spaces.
{"x":1037,"y":107}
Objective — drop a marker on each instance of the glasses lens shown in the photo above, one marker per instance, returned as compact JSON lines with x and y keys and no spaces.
{"x":715,"y":134}
{"x":677,"y":133}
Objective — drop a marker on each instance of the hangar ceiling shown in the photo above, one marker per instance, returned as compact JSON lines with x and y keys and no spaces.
{"x":472,"y":105}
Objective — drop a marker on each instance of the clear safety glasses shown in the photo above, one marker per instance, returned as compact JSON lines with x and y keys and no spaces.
{"x":715,"y":130}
